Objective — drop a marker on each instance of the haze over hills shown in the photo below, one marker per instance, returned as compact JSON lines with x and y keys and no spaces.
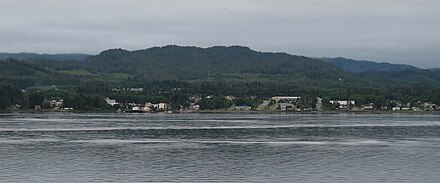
{"x":59,"y":57}
{"x":358,"y":66}
{"x":386,"y":73}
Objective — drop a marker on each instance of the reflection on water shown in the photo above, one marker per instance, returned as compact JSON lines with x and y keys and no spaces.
{"x":219,"y":147}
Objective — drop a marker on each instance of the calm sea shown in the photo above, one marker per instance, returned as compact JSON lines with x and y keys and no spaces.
{"x":60,"y":147}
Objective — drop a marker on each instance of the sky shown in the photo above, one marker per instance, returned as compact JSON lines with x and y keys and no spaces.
{"x":394,"y":31}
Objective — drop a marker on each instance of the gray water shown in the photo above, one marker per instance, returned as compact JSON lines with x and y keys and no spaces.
{"x":57,"y":147}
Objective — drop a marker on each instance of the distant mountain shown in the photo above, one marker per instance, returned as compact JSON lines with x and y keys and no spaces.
{"x":233,"y":64}
{"x":227,"y":70}
{"x":59,"y":57}
{"x":388,"y":74}
{"x":356,"y":66}
{"x":193,"y":63}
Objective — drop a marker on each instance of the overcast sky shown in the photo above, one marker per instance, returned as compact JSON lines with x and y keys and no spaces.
{"x":396,"y":31}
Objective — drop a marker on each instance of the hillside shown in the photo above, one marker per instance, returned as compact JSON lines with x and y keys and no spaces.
{"x":234,"y":66}
{"x":358,"y":66}
{"x":220,"y":70}
{"x":192,"y":63}
{"x":388,"y":74}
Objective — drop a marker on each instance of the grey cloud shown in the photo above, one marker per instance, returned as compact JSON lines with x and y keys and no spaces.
{"x":397,"y":31}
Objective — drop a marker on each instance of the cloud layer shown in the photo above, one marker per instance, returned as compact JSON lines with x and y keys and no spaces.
{"x":397,"y":31}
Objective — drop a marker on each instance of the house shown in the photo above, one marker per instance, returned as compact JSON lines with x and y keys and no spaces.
{"x":162,"y":106}
{"x":57,"y":102}
{"x":14,"y":107}
{"x":230,"y":97}
{"x":318,"y":103}
{"x":243,"y":108}
{"x":368,"y":107}
{"x":343,"y":102}
{"x":287,"y":107}
{"x":136,"y":90}
{"x":111,"y":102}
{"x":67,"y":109}
{"x":429,"y":106}
{"x":159,"y":106}
{"x":278,"y":98}
{"x":37,"y":107}
{"x":406,"y":108}
{"x":396,"y":109}
{"x":136,"y":108}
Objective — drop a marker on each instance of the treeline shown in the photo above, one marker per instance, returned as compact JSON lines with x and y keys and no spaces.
{"x":9,"y":96}
{"x":12,"y":98}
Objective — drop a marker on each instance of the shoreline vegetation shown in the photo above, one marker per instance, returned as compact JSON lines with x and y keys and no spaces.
{"x":225,"y":112}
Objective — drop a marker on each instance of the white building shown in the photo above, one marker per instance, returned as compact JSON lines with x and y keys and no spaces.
{"x":243,"y":108}
{"x":136,"y":89}
{"x":111,"y":102}
{"x":429,"y":106}
{"x":278,"y":98}
{"x":159,"y":106}
{"x":287,"y":107}
{"x":396,"y":109}
{"x":162,"y":106}
{"x":57,"y":103}
{"x":343,"y":102}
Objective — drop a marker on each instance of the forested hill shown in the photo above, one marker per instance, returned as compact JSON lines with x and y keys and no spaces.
{"x":193,"y":63}
{"x":229,"y":65}
{"x":388,"y":74}
{"x":226,"y":70}
{"x":358,"y":66}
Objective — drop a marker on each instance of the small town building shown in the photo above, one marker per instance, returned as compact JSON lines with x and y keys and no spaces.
{"x":406,"y":109}
{"x":343,"y":102}
{"x":279,"y":98}
{"x":429,"y":106}
{"x":111,"y":102}
{"x":287,"y":107}
{"x":243,"y":108}
{"x":162,"y":106}
{"x":57,"y":102}
{"x":368,"y":107}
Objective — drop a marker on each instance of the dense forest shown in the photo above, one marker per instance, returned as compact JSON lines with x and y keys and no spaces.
{"x":173,"y":74}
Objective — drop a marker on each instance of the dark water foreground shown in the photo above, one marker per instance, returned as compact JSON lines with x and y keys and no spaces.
{"x":219,"y":148}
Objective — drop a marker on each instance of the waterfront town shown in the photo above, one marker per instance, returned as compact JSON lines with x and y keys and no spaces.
{"x":233,"y":103}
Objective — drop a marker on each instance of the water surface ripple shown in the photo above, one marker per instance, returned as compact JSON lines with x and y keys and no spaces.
{"x":65,"y":147}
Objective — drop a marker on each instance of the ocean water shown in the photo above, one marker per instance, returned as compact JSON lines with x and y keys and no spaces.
{"x":66,"y":147}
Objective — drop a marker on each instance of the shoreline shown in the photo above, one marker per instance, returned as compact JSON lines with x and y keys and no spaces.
{"x":228,"y":112}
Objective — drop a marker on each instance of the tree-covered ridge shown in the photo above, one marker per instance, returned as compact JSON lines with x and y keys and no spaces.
{"x":358,"y":66}
{"x":193,"y":63}
{"x":388,"y":74}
